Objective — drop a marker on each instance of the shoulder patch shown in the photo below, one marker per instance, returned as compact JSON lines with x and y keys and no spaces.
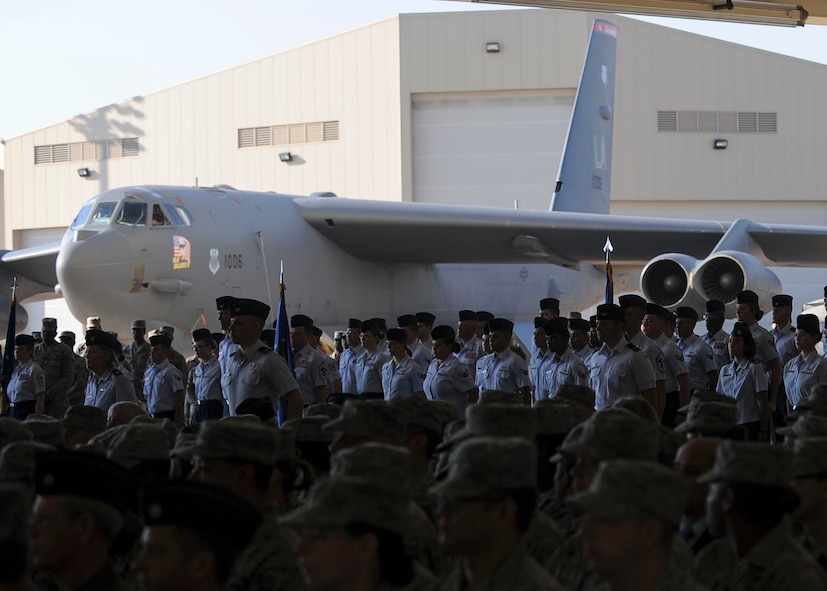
{"x":633,"y":347}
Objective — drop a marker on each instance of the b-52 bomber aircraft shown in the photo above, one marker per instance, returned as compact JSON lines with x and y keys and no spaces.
{"x":164,"y":253}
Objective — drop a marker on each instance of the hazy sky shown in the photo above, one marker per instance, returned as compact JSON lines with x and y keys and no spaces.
{"x":59,"y":59}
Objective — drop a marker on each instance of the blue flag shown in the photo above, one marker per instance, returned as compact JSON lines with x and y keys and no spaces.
{"x":283,"y":345}
{"x":610,"y":283}
{"x":8,"y":354}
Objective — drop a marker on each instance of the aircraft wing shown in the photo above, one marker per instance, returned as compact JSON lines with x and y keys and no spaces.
{"x":392,"y":232}
{"x":33,"y":267}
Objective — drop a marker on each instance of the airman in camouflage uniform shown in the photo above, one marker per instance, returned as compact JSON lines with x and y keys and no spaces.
{"x":137,"y":354}
{"x":810,"y":482}
{"x":489,"y":476}
{"x":630,"y":497}
{"x":221,"y":454}
{"x":749,"y":494}
{"x":77,"y":393}
{"x":58,"y":365}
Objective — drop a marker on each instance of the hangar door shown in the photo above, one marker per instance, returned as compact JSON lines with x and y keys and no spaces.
{"x":489,"y":148}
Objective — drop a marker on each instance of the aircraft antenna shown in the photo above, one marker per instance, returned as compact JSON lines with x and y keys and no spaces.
{"x":260,"y":235}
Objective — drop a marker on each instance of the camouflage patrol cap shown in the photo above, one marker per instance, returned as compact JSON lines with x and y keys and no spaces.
{"x":104,"y":440}
{"x":67,"y":335}
{"x":582,"y":395}
{"x":616,"y":433}
{"x":13,"y":430}
{"x":17,"y":460}
{"x":246,"y":419}
{"x":93,"y":322}
{"x":371,"y":418}
{"x":751,"y":462}
{"x":138,"y":443}
{"x":707,"y":396}
{"x":49,"y":324}
{"x":84,"y":417}
{"x":709,"y":417}
{"x":816,"y":401}
{"x":500,"y":397}
{"x":556,"y":416}
{"x":806,"y":426}
{"x":572,"y":438}
{"x":236,"y":440}
{"x":261,"y":407}
{"x":341,"y":501}
{"x":431,"y":415}
{"x":45,"y":429}
{"x":810,"y":457}
{"x":495,"y":420}
{"x":638,"y":405}
{"x":332,"y":411}
{"x":390,"y":464}
{"x":309,"y":429}
{"x":165,"y":424}
{"x":452,"y":428}
{"x":139,"y":324}
{"x":183,"y":442}
{"x":626,"y":488}
{"x":482,"y":465}
{"x":186,"y":503}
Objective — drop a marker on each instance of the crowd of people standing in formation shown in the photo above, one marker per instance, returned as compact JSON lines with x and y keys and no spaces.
{"x":622,"y":452}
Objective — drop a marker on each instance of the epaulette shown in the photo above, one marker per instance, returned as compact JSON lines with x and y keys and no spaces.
{"x":264,"y":349}
{"x":117,"y":372}
{"x":633,"y":347}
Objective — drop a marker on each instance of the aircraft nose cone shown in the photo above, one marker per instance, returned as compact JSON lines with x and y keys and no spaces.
{"x":93,"y":270}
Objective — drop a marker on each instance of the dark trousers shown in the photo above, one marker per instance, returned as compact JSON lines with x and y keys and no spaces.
{"x":164,"y":414}
{"x":671,"y":403}
{"x":208,"y":409}
{"x":752,"y":429}
{"x":20,"y":410}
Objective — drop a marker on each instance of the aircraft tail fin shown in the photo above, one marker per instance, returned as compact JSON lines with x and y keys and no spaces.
{"x":584,"y":179}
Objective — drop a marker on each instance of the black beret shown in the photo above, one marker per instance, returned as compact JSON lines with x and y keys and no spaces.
{"x":201,"y":334}
{"x":425,"y":318}
{"x":550,"y":304}
{"x":86,"y":475}
{"x":782,"y":300}
{"x":301,"y":320}
{"x":160,"y":339}
{"x":354,"y":323}
{"x":611,"y":312}
{"x":539,"y":321}
{"x":261,"y":407}
{"x":747,"y":297}
{"x":100,"y":337}
{"x":657,"y":310}
{"x":316,"y":331}
{"x":369,"y":325}
{"x":501,"y":324}
{"x":380,"y":324}
{"x":406,"y":320}
{"x":224,"y":302}
{"x":218,"y":336}
{"x":713,"y":306}
{"x":443,"y":331}
{"x":686,"y":312}
{"x":268,"y":337}
{"x":201,"y":507}
{"x":593,"y":320}
{"x":247,"y":307}
{"x":397,"y":334}
{"x":808,"y":323}
{"x":579,"y":324}
{"x":741,"y":329}
{"x":825,"y":291}
{"x":557,"y":326}
{"x":483,"y":316}
{"x":24,"y":340}
{"x":631,"y":301}
{"x":467,"y":315}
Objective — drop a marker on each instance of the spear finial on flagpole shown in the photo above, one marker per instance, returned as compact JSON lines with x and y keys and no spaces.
{"x":610,"y":287}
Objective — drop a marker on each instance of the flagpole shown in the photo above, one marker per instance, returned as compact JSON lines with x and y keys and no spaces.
{"x":610,"y":286}
{"x":283,"y":347}
{"x":8,"y":354}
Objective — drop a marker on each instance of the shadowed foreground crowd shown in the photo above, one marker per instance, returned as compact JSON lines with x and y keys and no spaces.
{"x":537,"y":474}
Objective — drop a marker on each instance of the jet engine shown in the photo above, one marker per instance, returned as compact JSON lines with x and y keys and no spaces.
{"x":667,"y":280}
{"x":674,"y":279}
{"x":725,"y":273}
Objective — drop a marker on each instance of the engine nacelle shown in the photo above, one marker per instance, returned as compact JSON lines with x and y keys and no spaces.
{"x":667,"y":280}
{"x":724,"y":274}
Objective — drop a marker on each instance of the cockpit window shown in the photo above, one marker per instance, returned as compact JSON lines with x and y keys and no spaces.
{"x":185,"y":216}
{"x":172,"y":215}
{"x":132,"y":214}
{"x":158,"y":218}
{"x":82,"y":216}
{"x":103,"y":213}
